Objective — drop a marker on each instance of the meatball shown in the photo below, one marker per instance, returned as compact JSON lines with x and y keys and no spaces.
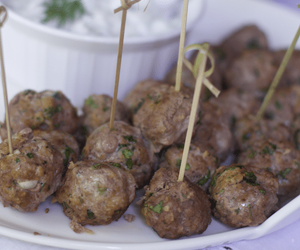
{"x":97,"y":109}
{"x":247,"y":38}
{"x":164,"y":116}
{"x":231,"y":105}
{"x":137,"y":96}
{"x":188,"y":79}
{"x":47,"y":110}
{"x":200,"y":166}
{"x":175,"y":209}
{"x":124,"y":145}
{"x":291,"y":73}
{"x":280,"y":158}
{"x":243,"y":195}
{"x":63,"y":142}
{"x":216,"y":137}
{"x":95,"y":193}
{"x":31,"y":173}
{"x":248,"y":129}
{"x":253,"y":70}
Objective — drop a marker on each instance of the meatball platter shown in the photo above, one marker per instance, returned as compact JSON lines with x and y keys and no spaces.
{"x":49,"y":226}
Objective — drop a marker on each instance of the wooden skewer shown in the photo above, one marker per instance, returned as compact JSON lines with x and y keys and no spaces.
{"x":196,"y":97}
{"x":277,"y":77}
{"x":181,"y":45}
{"x":3,"y":16}
{"x":125,"y":5}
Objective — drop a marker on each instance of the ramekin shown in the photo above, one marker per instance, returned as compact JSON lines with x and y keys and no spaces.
{"x":39,"y":57}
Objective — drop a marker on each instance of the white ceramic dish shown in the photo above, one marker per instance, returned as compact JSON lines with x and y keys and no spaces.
{"x":40,"y":57}
{"x":220,"y":18}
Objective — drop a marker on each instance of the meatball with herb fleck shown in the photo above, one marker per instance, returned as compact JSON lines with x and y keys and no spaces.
{"x":46,"y":110}
{"x":123,"y":145}
{"x":200,"y":166}
{"x":278,"y":157}
{"x":95,"y":193}
{"x":63,"y":142}
{"x":96,"y":112}
{"x":164,"y":116}
{"x":243,"y":195}
{"x":175,"y":209}
{"x":31,"y":173}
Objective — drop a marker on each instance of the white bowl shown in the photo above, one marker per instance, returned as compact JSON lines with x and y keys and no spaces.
{"x":40,"y":57}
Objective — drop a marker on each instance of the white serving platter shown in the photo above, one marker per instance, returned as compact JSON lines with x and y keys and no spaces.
{"x":220,"y":18}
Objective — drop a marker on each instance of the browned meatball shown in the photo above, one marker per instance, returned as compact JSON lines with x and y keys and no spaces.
{"x":246,"y":38}
{"x":164,"y":116}
{"x":244,"y":195}
{"x":252,"y":70}
{"x":216,"y":137}
{"x":280,"y":158}
{"x":124,"y":145}
{"x":200,"y":166}
{"x":63,"y":142}
{"x":230,"y":106}
{"x":291,"y":73}
{"x":97,"y":109}
{"x":47,"y":110}
{"x":188,"y":79}
{"x":175,"y":209}
{"x":137,"y":96}
{"x":95,"y":193}
{"x":247,"y":130}
{"x":31,"y":173}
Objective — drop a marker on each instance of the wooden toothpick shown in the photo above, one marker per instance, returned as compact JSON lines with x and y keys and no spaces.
{"x":278,"y":75}
{"x":3,"y":16}
{"x":201,"y":78}
{"x":181,"y":45}
{"x":125,"y":6}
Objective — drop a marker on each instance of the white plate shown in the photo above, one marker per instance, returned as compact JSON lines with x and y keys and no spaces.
{"x":220,"y":18}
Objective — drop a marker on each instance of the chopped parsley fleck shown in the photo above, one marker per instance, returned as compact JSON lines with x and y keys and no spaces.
{"x":127,"y":153}
{"x":43,"y":184}
{"x":129,"y":163}
{"x":268,"y":150}
{"x":222,"y":191}
{"x":180,"y":146}
{"x":252,"y":154}
{"x":90,"y":214}
{"x":158,"y":208}
{"x":297,"y":139}
{"x":68,"y":152}
{"x":253,"y":44}
{"x":102,"y":190}
{"x":129,"y":138}
{"x":278,"y":105}
{"x":65,"y":205}
{"x":56,"y":96}
{"x":199,"y":115}
{"x":140,"y":104}
{"x":105,"y":108}
{"x":204,"y":179}
{"x":262,"y":191}
{"x":270,"y":170}
{"x":91,"y":102}
{"x":122,"y":146}
{"x":284,"y":173}
{"x":96,"y":166}
{"x":178,"y":164}
{"x":246,"y":137}
{"x":183,"y":195}
{"x":30,"y":155}
{"x":250,"y":178}
{"x":17,"y":160}
{"x":237,"y":211}
{"x":117,"y":165}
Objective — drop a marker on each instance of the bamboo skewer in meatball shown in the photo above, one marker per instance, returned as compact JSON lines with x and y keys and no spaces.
{"x":243,"y":195}
{"x":175,"y":209}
